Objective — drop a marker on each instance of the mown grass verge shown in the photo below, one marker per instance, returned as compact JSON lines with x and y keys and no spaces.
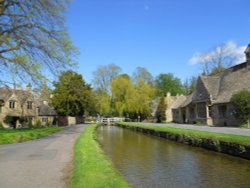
{"x":226,"y":143}
{"x":10,"y":136}
{"x":91,"y":168}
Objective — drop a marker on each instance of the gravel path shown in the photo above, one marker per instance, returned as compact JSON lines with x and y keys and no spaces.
{"x":42,"y":163}
{"x":227,"y":130}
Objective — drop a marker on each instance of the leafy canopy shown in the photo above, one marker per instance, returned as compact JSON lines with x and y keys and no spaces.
{"x":165,"y":83}
{"x":72,"y":96}
{"x":241,"y":102}
{"x":33,"y":39}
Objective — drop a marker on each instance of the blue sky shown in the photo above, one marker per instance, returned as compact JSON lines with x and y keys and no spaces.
{"x":160,"y":35}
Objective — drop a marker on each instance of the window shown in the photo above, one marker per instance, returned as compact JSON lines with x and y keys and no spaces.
{"x":12,"y":104}
{"x":29,"y":118}
{"x":223,"y":111}
{"x":44,"y":119}
{"x":210,"y":111}
{"x":201,"y":110}
{"x":29,"y":105}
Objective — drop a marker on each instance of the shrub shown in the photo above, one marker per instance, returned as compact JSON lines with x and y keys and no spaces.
{"x":30,"y":125}
{"x":38,"y":123}
{"x":1,"y":125}
{"x":241,"y":102}
{"x":9,"y":120}
{"x":23,"y":120}
{"x":161,"y":111}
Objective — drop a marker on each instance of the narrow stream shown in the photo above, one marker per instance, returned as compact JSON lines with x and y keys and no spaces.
{"x":147,"y":161}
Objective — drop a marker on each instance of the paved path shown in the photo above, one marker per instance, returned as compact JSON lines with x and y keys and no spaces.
{"x":43,"y":163}
{"x":227,"y":130}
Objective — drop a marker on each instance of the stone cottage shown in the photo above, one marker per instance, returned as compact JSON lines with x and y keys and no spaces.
{"x":45,"y":113}
{"x":210,"y":102}
{"x":16,"y":103}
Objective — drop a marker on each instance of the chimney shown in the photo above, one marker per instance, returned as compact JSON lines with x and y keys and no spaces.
{"x":247,"y":52}
{"x":29,"y":88}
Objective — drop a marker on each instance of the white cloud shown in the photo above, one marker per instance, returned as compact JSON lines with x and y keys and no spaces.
{"x":229,"y":48}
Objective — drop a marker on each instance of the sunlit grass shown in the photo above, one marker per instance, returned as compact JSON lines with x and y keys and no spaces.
{"x":91,"y":168}
{"x":9,"y":136}
{"x":195,"y":134}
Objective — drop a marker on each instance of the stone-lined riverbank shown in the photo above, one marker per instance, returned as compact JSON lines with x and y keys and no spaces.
{"x":225,"y":143}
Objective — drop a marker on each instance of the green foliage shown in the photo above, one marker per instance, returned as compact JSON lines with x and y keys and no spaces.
{"x":130,"y":99}
{"x":34,"y":39}
{"x":105,"y":104}
{"x":165,"y":83}
{"x":72,"y":96}
{"x":9,"y":120}
{"x":195,"y":134}
{"x":161,"y":110}
{"x":38,"y":123}
{"x":30,"y":124}
{"x":91,"y":168}
{"x":1,"y":125}
{"x":241,"y":102}
{"x":23,"y":120}
{"x":8,"y":136}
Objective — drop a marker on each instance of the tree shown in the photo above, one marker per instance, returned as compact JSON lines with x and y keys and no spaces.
{"x":130,"y":99}
{"x":72,"y":96}
{"x":218,"y":59}
{"x":241,"y":102}
{"x":33,"y":39}
{"x":189,"y":85}
{"x":144,"y":97}
{"x":161,"y":110}
{"x":105,"y":105}
{"x":165,"y":83}
{"x":121,"y":88}
{"x":103,"y":77}
{"x":142,"y":73}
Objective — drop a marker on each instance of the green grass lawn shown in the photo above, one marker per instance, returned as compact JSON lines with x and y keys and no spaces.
{"x":9,"y":136}
{"x":195,"y":134}
{"x":91,"y":168}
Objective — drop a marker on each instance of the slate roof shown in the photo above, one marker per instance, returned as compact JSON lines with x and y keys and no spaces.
{"x":46,"y":110}
{"x":233,"y":80}
{"x":178,"y":101}
{"x":219,"y":88}
{"x":22,"y":95}
{"x":5,"y":93}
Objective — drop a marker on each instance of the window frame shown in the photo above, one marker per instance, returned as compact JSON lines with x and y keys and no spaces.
{"x":12,"y":104}
{"x":29,"y":105}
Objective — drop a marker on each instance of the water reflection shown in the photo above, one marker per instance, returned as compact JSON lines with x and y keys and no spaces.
{"x":148,"y":161}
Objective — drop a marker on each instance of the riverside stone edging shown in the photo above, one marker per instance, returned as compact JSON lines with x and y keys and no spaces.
{"x":230,"y":148}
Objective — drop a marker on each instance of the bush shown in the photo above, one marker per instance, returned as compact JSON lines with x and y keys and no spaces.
{"x":9,"y":120}
{"x":30,"y":125}
{"x":23,"y":120}
{"x":47,"y":124}
{"x":38,"y":123}
{"x":161,"y":111}
{"x":1,"y":125}
{"x":241,"y":102}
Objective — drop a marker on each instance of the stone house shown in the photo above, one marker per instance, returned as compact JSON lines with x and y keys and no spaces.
{"x":17,"y":103}
{"x":45,"y":113}
{"x":210,"y":102}
{"x":173,"y":102}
